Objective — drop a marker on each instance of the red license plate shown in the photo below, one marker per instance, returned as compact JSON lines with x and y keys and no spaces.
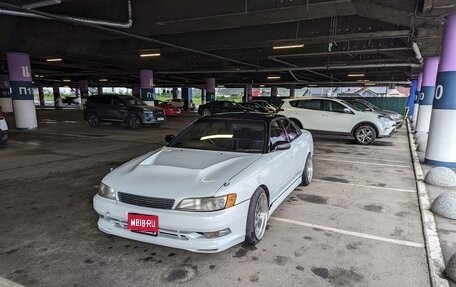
{"x":143,"y":223}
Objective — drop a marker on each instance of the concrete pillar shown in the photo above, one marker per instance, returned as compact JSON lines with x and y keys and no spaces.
{"x":423,"y":121}
{"x":292,"y":93}
{"x":186,"y":96}
{"x":41,"y":96}
{"x":57,"y":98}
{"x":441,"y":146}
{"x":174,"y":92}
{"x":416,"y":104}
{"x":147,"y":86}
{"x":136,"y":91}
{"x":411,"y":98}
{"x":84,"y":89}
{"x":203,"y":96}
{"x":100,"y":90}
{"x":20,"y":74}
{"x":273,"y":92}
{"x":248,"y":93}
{"x":5,"y":96}
{"x":210,"y":89}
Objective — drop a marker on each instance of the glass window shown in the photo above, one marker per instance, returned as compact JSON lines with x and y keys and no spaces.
{"x":294,"y":103}
{"x":336,"y":107}
{"x":277,"y":133}
{"x":310,"y":104}
{"x":291,"y":129}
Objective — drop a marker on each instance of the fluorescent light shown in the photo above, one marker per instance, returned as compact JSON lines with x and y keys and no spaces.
{"x":149,"y":55}
{"x":274,"y":78}
{"x":103,"y":80}
{"x":66,"y":80}
{"x":220,"y":86}
{"x":356,"y":75}
{"x":261,"y":86}
{"x":288,"y":46}
{"x":54,"y":60}
{"x":369,"y":84}
{"x":312,"y":85}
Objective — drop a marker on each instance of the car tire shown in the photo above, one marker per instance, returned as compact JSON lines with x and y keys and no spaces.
{"x":307,"y":173}
{"x":206,"y":113}
{"x":93,"y":119}
{"x":134,"y":122}
{"x":257,"y":217}
{"x":365,"y":135}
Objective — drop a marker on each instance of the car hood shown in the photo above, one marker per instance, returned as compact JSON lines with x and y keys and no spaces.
{"x":178,"y":173}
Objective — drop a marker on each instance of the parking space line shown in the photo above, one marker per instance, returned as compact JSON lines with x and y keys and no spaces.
{"x":365,"y":186}
{"x":368,"y":158}
{"x":363,"y":162}
{"x":395,"y":148}
{"x":352,"y":233}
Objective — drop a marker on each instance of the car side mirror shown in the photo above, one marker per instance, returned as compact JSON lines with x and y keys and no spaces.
{"x":347,"y":111}
{"x":281,"y":145}
{"x":169,"y":138}
{"x":368,"y":109}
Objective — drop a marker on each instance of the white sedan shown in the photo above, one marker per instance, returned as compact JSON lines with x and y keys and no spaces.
{"x":213,"y":186}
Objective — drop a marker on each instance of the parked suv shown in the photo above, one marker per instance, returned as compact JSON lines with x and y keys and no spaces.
{"x":3,"y":129}
{"x":334,"y":116}
{"x":217,"y":107}
{"x":368,"y":106}
{"x":121,"y":109}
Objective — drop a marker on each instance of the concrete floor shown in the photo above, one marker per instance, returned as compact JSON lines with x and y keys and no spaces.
{"x":357,"y":224}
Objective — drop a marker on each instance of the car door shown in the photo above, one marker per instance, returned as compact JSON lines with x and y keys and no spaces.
{"x":280,"y":170}
{"x":118,"y":108}
{"x":335,"y":118}
{"x":309,"y":112}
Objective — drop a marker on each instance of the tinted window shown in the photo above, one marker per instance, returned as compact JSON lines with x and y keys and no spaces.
{"x":336,"y":107}
{"x":291,"y":129}
{"x":104,"y":99}
{"x":310,"y":104}
{"x":293,"y":103}
{"x":359,"y":105}
{"x":277,"y":133}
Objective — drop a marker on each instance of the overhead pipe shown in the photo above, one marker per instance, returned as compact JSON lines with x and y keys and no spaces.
{"x":125,"y":34}
{"x":34,"y":14}
{"x":295,"y":66}
{"x":417,"y":51}
{"x":348,"y":52}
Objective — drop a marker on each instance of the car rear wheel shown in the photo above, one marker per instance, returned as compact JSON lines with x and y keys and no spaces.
{"x":257,"y":217}
{"x":93,"y":119}
{"x":365,"y":135}
{"x":206,"y":113}
{"x":307,"y":173}
{"x":134,"y":122}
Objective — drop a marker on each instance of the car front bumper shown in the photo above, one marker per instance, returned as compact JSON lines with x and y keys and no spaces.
{"x":388,"y":132}
{"x":177,"y":229}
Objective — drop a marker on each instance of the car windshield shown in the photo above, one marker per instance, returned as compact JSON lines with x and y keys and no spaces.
{"x":372,"y":106}
{"x":223,"y":135}
{"x":351,"y":106}
{"x":132,"y":101}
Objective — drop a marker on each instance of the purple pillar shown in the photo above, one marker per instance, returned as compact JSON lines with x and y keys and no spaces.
{"x":84,"y":88}
{"x":20,"y":74}
{"x":210,"y":90}
{"x":441,"y":145}
{"x":175,"y":92}
{"x":147,"y":86}
{"x":416,"y":103}
{"x":248,"y":93}
{"x":5,"y":96}
{"x":136,"y":91}
{"x":431,"y":66}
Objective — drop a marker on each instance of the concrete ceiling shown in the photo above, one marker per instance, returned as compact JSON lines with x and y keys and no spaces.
{"x":229,"y":40}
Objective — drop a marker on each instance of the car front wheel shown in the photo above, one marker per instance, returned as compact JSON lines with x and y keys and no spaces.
{"x":257,"y":217}
{"x":93,"y":119}
{"x":134,"y":122}
{"x":307,"y":173}
{"x":365,"y":135}
{"x":206,"y":113}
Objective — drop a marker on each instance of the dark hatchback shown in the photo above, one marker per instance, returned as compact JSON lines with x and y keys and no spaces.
{"x":218,"y":107}
{"x":119,"y":109}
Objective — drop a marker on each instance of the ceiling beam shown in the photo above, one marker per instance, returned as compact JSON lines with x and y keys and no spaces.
{"x":383,"y":13}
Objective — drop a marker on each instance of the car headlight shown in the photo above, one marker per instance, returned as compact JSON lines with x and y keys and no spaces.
{"x":385,"y":119}
{"x":106,"y":191}
{"x":208,"y":203}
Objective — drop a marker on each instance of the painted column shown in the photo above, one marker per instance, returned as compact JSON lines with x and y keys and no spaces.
{"x":84,"y":89}
{"x":100,"y":90}
{"x":411,"y":98}
{"x":292,"y":93}
{"x":186,"y":96}
{"x":41,"y":96}
{"x":203,"y":96}
{"x":248,"y":93}
{"x":441,"y":146}
{"x":423,"y":121}
{"x":5,"y":96}
{"x":273,"y":92}
{"x":174,"y":92}
{"x":416,"y":104}
{"x":20,"y":74}
{"x":136,"y":91}
{"x":147,"y":86}
{"x":57,"y":98}
{"x":210,"y":89}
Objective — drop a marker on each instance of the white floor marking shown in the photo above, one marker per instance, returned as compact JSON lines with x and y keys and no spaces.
{"x":363,"y":162}
{"x":365,"y":186}
{"x":357,"y":157}
{"x":352,"y":233}
{"x":360,"y":149}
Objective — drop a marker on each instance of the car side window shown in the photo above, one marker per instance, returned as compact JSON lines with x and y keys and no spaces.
{"x":277,"y":133}
{"x":310,"y":104}
{"x":105,"y":100}
{"x":117,"y":101}
{"x":294,"y":103}
{"x":336,"y":107}
{"x":360,"y":106}
{"x":291,"y":129}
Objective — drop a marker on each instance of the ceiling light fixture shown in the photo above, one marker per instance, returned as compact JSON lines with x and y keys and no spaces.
{"x":54,"y":60}
{"x":356,"y":75}
{"x":103,"y":80}
{"x":370,"y":84}
{"x":273,"y":78}
{"x":66,"y":80}
{"x":149,"y":55}
{"x":288,"y":46}
{"x":312,"y":85}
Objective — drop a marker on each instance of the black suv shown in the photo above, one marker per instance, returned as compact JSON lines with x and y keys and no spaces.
{"x":217,"y":107}
{"x":121,"y":109}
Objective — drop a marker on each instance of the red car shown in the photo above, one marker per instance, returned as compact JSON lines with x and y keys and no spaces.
{"x":170,"y":110}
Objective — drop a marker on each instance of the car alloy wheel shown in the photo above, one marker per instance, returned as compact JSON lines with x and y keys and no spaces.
{"x":365,"y":135}
{"x":93,"y":120}
{"x":134,"y":122}
{"x":206,"y":113}
{"x":307,"y":173}
{"x":257,"y":217}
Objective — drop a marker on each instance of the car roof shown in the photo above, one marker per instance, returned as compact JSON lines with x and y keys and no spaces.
{"x":246,"y":116}
{"x":313,"y":98}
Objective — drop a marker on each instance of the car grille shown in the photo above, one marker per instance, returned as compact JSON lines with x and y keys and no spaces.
{"x":152,"y":202}
{"x":159,"y":114}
